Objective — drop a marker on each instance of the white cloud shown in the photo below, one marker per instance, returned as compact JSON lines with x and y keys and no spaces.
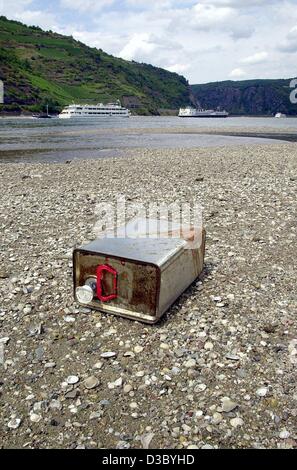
{"x":257,"y":58}
{"x":202,"y":39}
{"x":240,"y":4}
{"x":209,"y":16}
{"x":290,"y":43}
{"x":237,"y":73}
{"x":139,"y":45}
{"x":20,"y":10}
{"x":179,"y":68}
{"x":86,"y":5}
{"x":9,"y":8}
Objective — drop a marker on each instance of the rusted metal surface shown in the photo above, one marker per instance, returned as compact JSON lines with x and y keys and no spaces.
{"x":150,"y":273}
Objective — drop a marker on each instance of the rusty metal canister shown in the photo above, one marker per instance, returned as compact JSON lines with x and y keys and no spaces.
{"x":137,"y":277}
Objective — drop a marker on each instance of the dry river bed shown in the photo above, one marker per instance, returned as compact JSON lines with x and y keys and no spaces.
{"x":219,"y":371}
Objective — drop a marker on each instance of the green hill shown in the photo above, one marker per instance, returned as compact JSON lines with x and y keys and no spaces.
{"x":247,"y":97}
{"x":39,"y":67}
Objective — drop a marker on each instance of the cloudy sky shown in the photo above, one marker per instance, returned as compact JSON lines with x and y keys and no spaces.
{"x":206,"y":40}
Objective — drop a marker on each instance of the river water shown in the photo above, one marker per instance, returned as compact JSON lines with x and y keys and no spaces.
{"x":55,"y":140}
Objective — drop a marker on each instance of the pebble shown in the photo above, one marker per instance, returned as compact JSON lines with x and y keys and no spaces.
{"x":138,"y":349}
{"x":228,"y":405}
{"x":129,"y":354}
{"x":95,"y":415}
{"x":146,"y":439}
{"x":190,"y":363}
{"x":108,"y":354}
{"x":117,"y":383}
{"x":91,"y":382}
{"x":72,"y":394}
{"x":39,"y":353}
{"x":284,"y":434}
{"x":35,"y":418}
{"x":140,"y":373}
{"x":208,"y":345}
{"x":127,"y":388}
{"x":98,"y":365}
{"x":4,"y":340}
{"x":72,"y":379}
{"x":236,"y":422}
{"x":55,"y":405}
{"x":49,"y":365}
{"x":4,"y":274}
{"x":200,"y":388}
{"x":232,"y":357}
{"x":14,"y":423}
{"x":69,"y":319}
{"x":262,"y":392}
{"x":27,"y":310}
{"x":179,"y":352}
{"x":217,"y":418}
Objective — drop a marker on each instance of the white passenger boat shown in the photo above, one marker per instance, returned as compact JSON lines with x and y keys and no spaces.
{"x":190,"y":112}
{"x":280,"y":115}
{"x":94,"y":111}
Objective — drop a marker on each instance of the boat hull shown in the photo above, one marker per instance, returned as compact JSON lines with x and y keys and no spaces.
{"x":92,"y":117}
{"x":205,"y":117}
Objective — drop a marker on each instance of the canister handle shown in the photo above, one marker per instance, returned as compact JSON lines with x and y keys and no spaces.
{"x":100,"y":271}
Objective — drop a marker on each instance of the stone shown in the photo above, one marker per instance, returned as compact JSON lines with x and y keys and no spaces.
{"x":55,"y":405}
{"x":72,"y":379}
{"x":179,"y":353}
{"x":98,"y":365}
{"x":128,"y":388}
{"x":4,"y":274}
{"x":138,"y":349}
{"x":91,"y":382}
{"x":14,"y":423}
{"x":4,"y":340}
{"x":146,"y":439}
{"x":262,"y":392}
{"x":200,"y":388}
{"x":39,"y":353}
{"x":95,"y":415}
{"x":35,"y":418}
{"x":284,"y":434}
{"x":228,"y":405}
{"x":27,"y":310}
{"x":49,"y":365}
{"x":72,"y":394}
{"x":190,"y":363}
{"x":217,"y":418}
{"x":236,"y":422}
{"x":129,"y":354}
{"x":69,"y":319}
{"x":232,"y":357}
{"x":108,"y":354}
{"x":118,"y":382}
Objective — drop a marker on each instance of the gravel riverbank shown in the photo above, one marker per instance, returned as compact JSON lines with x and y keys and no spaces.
{"x":218,"y":371}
